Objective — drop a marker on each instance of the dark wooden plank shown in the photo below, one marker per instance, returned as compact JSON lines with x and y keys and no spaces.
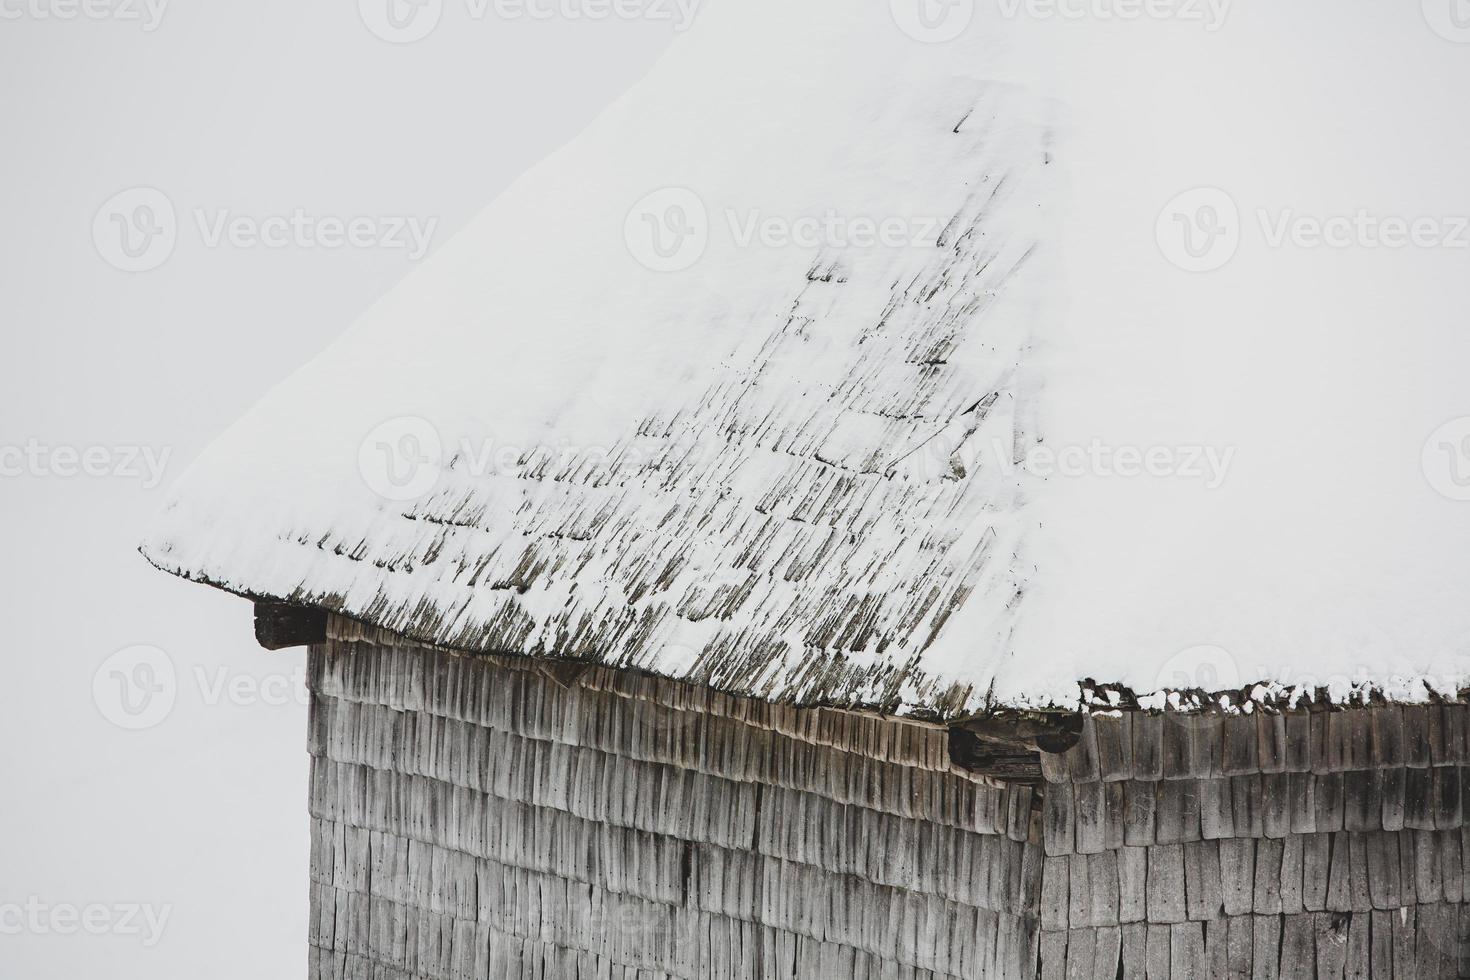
{"x":1186,"y":949}
{"x":1329,"y":802}
{"x":1238,"y":875}
{"x":1381,"y":951}
{"x":1115,"y":815}
{"x":1053,"y":956}
{"x":1082,"y":757}
{"x":1240,"y":943}
{"x":1135,"y":948}
{"x":1419,"y":799}
{"x":1206,"y":751}
{"x":1178,"y":815}
{"x":1298,"y":948}
{"x":1339,"y":876}
{"x":1055,"y":893}
{"x":1452,"y":871}
{"x":1217,"y":948}
{"x":1359,"y":898}
{"x":1204,"y":900}
{"x":1267,"y":888}
{"x":1132,"y":884}
{"x":1383,"y":869}
{"x":1455,"y":730}
{"x":1089,"y":817}
{"x":1102,"y":878}
{"x":1316,"y":869}
{"x":1434,"y":715}
{"x":1429,"y":942}
{"x":1271,"y":741}
{"x":279,"y":626}
{"x":1148,"y":757}
{"x":1114,"y":737}
{"x":1165,"y":884}
{"x":1058,"y":819}
{"x":1388,"y":735}
{"x":1362,"y":810}
{"x":1079,"y":893}
{"x":1053,"y":770}
{"x":1276,"y":814}
{"x":1326,"y":750}
{"x":1447,"y":797}
{"x":1019,"y":799}
{"x":1156,"y":957}
{"x":1291,"y":875}
{"x":1298,"y":741}
{"x":1248,"y":795}
{"x":1301,"y":788}
{"x":1081,"y":949}
{"x":1428,"y":883}
{"x":1267,"y":948}
{"x":1331,"y":929}
{"x":1140,"y":803}
{"x":1416,"y":735}
{"x":1109,"y":947}
{"x":1177,"y":736}
{"x":1355,"y":965}
{"x":1408,"y":892}
{"x":1391,"y":797}
{"x":1404,"y":964}
{"x":1240,"y":745}
{"x":1216,"y":809}
{"x":1357,"y":750}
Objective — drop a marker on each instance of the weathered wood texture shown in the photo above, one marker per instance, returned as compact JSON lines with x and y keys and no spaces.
{"x":487,"y":817}
{"x":1302,"y":845}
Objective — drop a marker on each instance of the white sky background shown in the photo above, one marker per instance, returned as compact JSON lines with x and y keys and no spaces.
{"x":260,"y":108}
{"x":1322,"y":106}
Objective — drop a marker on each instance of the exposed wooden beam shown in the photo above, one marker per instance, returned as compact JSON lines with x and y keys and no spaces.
{"x":1008,"y":744}
{"x":279,"y":625}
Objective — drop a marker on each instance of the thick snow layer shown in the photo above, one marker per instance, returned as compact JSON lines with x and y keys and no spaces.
{"x":1292,"y":519}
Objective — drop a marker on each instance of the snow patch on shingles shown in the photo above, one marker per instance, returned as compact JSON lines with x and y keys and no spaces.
{"x":721,"y":482}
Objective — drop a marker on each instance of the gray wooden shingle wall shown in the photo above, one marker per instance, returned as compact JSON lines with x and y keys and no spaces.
{"x":1286,"y":845}
{"x":483,"y":818}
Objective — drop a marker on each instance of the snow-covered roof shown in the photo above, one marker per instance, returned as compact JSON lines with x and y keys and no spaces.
{"x":827,"y":367}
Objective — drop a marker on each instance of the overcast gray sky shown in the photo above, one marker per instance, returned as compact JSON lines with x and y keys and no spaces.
{"x":232,"y":111}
